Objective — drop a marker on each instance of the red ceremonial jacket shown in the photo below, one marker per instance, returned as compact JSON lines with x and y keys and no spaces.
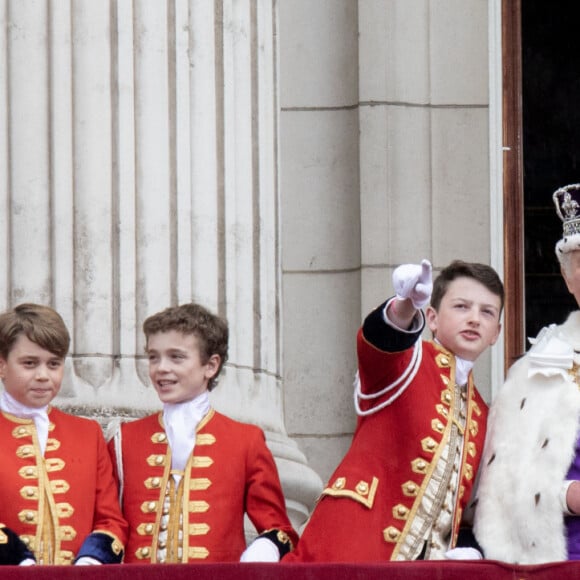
{"x":54,"y":502}
{"x":371,"y":500}
{"x":231,"y":472}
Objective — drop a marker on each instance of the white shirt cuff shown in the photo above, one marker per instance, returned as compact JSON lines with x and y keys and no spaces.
{"x":563,"y":491}
{"x":418,"y":321}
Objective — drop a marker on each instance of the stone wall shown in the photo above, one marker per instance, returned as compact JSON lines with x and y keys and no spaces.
{"x":272,"y":159}
{"x":384,"y":160}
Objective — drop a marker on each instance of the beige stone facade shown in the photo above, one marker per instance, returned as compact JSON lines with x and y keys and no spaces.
{"x":272,"y":159}
{"x":388,"y":155}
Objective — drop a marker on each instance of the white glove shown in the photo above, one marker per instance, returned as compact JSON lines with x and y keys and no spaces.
{"x":27,"y":562}
{"x":414,"y":281}
{"x":463,"y":554}
{"x":87,"y":561}
{"x":261,"y":550}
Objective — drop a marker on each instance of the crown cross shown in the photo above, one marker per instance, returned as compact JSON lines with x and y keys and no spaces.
{"x":570,"y":206}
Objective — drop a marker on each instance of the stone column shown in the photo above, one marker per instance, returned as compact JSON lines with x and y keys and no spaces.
{"x":138,"y":144}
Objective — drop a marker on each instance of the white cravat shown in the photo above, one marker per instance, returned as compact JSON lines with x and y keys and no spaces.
{"x":39,"y":415}
{"x":181,"y":421}
{"x":462,"y":368}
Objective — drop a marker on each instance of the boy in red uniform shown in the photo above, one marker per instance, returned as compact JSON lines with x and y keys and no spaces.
{"x":59,"y":500}
{"x":400,"y":491}
{"x":188,"y":474}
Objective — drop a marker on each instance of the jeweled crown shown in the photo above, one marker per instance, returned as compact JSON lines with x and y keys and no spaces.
{"x":567,"y":202}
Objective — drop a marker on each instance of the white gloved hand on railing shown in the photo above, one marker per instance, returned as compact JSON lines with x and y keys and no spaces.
{"x":463,"y":554}
{"x":261,"y":550}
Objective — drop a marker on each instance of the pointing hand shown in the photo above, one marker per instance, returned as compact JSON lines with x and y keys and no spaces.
{"x":414,"y":281}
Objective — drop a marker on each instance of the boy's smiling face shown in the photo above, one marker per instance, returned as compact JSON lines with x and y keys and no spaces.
{"x":467,"y":321}
{"x":176,"y":367}
{"x":31,"y":374}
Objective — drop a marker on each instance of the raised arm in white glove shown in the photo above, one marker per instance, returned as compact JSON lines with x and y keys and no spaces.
{"x":414,"y":282}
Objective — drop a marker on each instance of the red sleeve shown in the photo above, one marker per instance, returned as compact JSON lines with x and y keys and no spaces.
{"x":107,"y":517}
{"x":265,"y":504}
{"x":378,"y":368}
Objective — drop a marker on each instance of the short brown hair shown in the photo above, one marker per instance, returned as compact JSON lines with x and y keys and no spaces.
{"x":211,"y":330}
{"x":482,"y":273}
{"x":40,"y":324}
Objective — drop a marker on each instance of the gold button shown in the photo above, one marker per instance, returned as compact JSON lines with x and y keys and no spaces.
{"x":362,"y":487}
{"x":29,"y":470}
{"x":145,"y":552}
{"x":156,"y":482}
{"x":151,"y":506}
{"x":29,"y":517}
{"x":159,"y":459}
{"x":339,"y":483}
{"x":22,"y":431}
{"x":161,"y":437}
{"x":149,"y":528}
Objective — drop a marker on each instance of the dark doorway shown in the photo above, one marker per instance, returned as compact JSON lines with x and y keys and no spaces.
{"x":551,"y":149}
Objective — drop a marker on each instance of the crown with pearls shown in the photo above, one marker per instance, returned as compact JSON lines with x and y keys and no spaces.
{"x":567,"y":202}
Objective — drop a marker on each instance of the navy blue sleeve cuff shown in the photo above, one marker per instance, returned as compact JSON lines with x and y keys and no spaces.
{"x":385,"y":337}
{"x":280,"y":539}
{"x":102,"y":547}
{"x":12,"y":549}
{"x":467,"y":539}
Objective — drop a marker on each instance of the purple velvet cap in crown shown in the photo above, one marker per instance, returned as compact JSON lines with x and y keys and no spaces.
{"x":567,"y":202}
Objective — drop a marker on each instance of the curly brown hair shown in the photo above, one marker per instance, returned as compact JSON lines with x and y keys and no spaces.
{"x":211,"y":330}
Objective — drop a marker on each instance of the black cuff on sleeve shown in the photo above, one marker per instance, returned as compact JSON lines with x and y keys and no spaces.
{"x":385,"y":337}
{"x":281,"y":539}
{"x":466,"y":539}
{"x":12,"y":549}
{"x":102,"y":547}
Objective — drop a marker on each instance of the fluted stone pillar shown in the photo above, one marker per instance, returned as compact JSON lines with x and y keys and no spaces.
{"x":139,"y":169}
